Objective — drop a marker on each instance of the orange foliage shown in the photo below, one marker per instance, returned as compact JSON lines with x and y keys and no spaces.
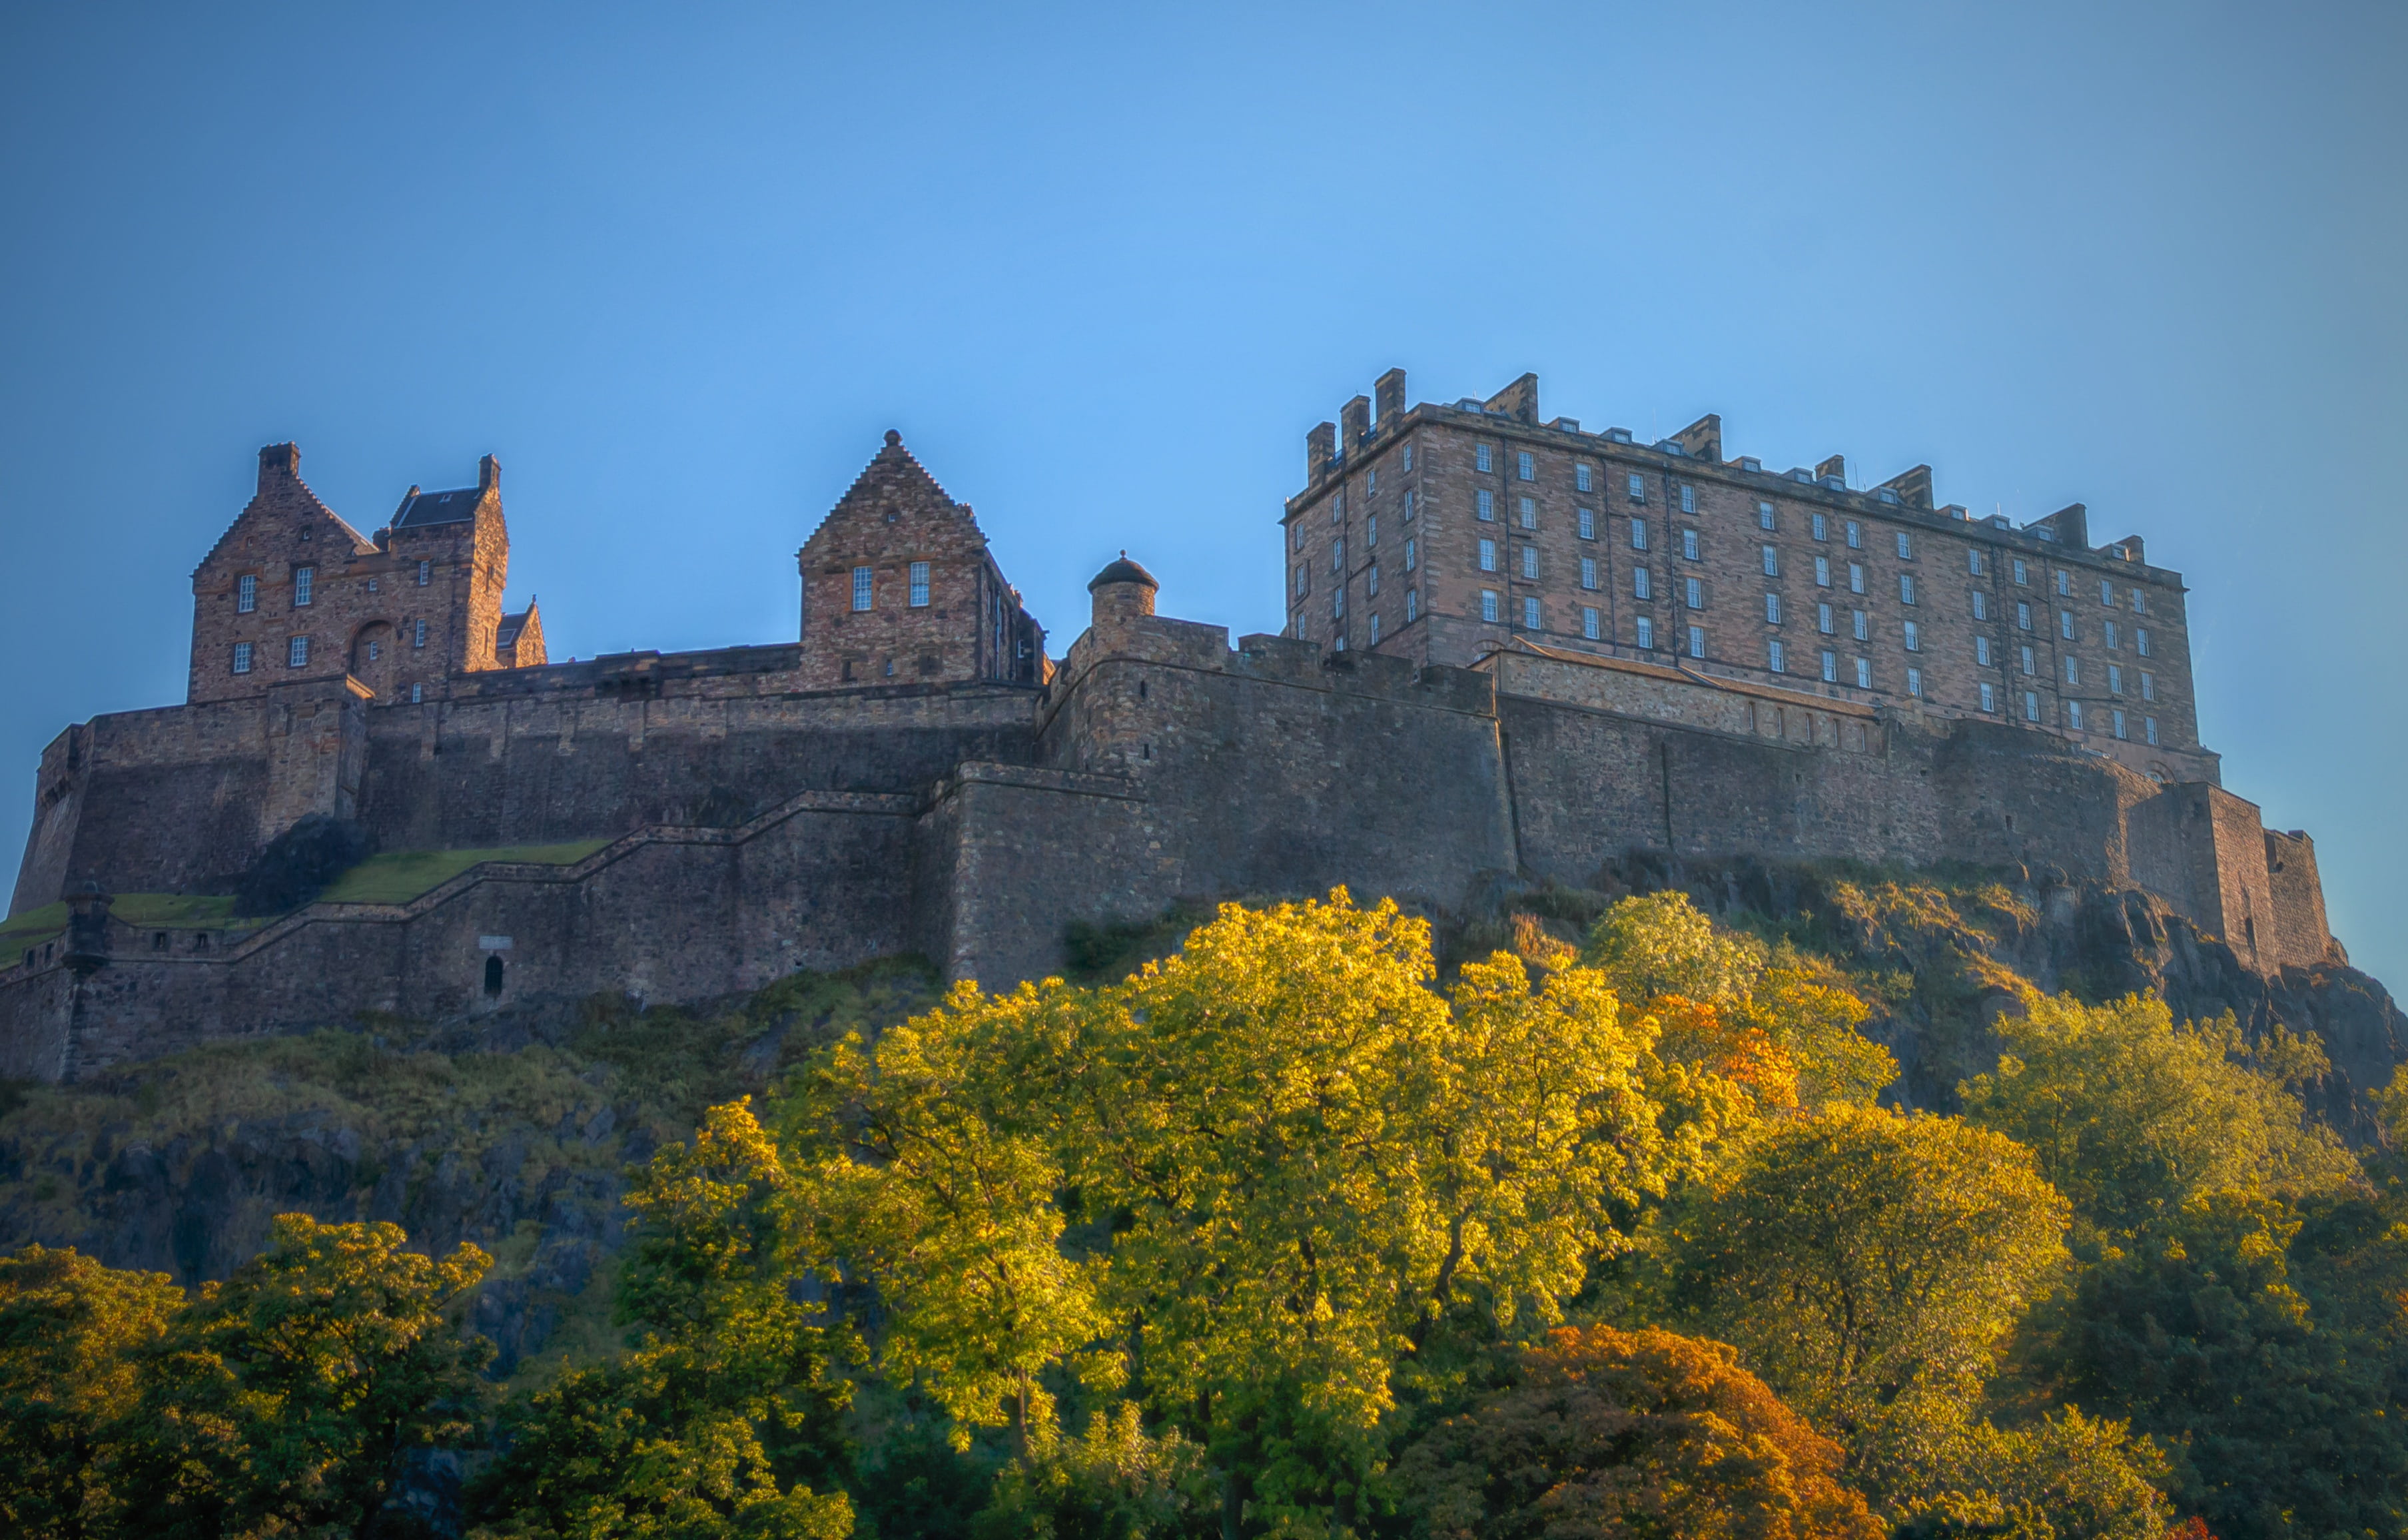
{"x":1714,"y":1038}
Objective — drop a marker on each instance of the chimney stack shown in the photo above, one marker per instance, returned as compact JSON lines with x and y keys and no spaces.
{"x":1388,"y":393}
{"x":489,"y":474}
{"x":1353,"y":425}
{"x":1320,"y":448}
{"x":279,"y":460}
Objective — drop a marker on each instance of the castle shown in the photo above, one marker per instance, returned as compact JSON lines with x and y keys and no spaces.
{"x":1512,"y":650}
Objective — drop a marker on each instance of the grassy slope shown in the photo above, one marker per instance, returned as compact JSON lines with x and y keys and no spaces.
{"x":401,"y":876}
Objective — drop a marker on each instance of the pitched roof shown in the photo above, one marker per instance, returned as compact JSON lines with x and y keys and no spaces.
{"x":507,"y":633}
{"x":421,"y":509}
{"x":891,"y":482}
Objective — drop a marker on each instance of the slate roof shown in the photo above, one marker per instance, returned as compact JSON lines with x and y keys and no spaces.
{"x":425,"y":508}
{"x":1123,"y":570}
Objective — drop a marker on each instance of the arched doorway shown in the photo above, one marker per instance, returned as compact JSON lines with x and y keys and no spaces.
{"x":372,"y":660}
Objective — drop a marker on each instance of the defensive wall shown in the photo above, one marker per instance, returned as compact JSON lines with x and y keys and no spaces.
{"x":756,"y":827}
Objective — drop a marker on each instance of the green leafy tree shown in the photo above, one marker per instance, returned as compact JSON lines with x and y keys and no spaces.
{"x":284,"y":1399}
{"x":1116,"y":1483}
{"x":717,"y":1420}
{"x":72,"y":1333}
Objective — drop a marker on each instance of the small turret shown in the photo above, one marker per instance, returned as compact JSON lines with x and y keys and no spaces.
{"x":1123,"y":591}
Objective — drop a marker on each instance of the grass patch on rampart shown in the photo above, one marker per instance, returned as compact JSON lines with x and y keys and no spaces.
{"x":397,"y":876}
{"x":146,"y":911}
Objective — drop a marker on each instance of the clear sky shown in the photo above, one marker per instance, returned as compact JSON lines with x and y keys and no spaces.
{"x":679,"y":266}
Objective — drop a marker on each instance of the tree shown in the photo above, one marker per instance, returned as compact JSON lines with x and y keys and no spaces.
{"x":716,"y":1421}
{"x":1640,"y":1433}
{"x":1115,"y":1484}
{"x":1866,"y":1263}
{"x":71,"y":1336}
{"x":284,"y":1397}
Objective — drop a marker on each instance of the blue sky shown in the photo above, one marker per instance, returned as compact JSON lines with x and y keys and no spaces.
{"x":679,"y":267}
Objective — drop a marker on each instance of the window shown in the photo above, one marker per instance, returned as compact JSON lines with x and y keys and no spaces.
{"x":304,"y":579}
{"x":2115,"y":680}
{"x":375,"y":650}
{"x":1530,"y":512}
{"x":1981,"y":604}
{"x":1582,"y":478}
{"x":2073,"y":669}
{"x":1589,"y":622}
{"x":1863,"y":631}
{"x":1831,"y":668}
{"x":1913,"y":638}
{"x":1771,"y":561}
{"x":1371,"y":581}
{"x":1481,"y":458}
{"x":1300,"y":534}
{"x":1906,"y":588}
{"x":2032,"y":705}
{"x":2141,"y":640}
{"x":2109,"y":629}
{"x":372,"y":586}
{"x":1524,"y":467}
{"x":1696,"y":594}
{"x":1974,"y":560}
{"x":1772,"y":656}
{"x":1531,"y":563}
{"x":1821,"y":528}
{"x":1409,"y":505}
{"x":1864,"y":673}
{"x":1488,"y":556}
{"x":1487,"y":504}
{"x":2149,"y":686}
{"x":1989,"y":698}
{"x":2020,"y":576}
{"x":1646,"y":632}
{"x":2107,"y":597}
{"x":418,"y":636}
{"x":1588,"y":523}
{"x":2138,"y":606}
{"x":1856,"y":536}
{"x":1822,"y":571}
{"x":246,"y":593}
{"x":2064,"y":584}
{"x":1639,"y":587}
{"x":1413,"y":557}
{"x":1688,"y":500}
{"x":1337,"y":644}
{"x":1638,"y":534}
{"x":2119,"y":725}
{"x":417,"y":694}
{"x":1764,"y":519}
{"x":2149,"y":728}
{"x":1982,"y":651}
{"x":1337,"y":604}
{"x":1375,"y":628}
{"x":1409,"y":455}
{"x":1823,"y":618}
{"x":1914,"y":682}
{"x":2074,"y":714}
{"x":2065,"y":624}
{"x":425,"y":573}
{"x":2028,"y":662}
{"x":861,"y":588}
{"x":2023,"y":616}
{"x":1588,"y":571}
{"x":297,"y":655}
{"x":1856,"y":577}
{"x":1337,"y":554}
{"x":1638,"y":487}
{"x":1488,"y":605}
{"x":1772,"y":609}
{"x":1689,"y":544}
{"x":1371,"y":482}
{"x":1905,"y":546}
{"x":1303,"y":580}
{"x":1413,"y":604}
{"x":242,"y":657}
{"x":1530,"y":614}
{"x":919,"y":585}
{"x":1696,"y":642}
{"x":1371,"y":531}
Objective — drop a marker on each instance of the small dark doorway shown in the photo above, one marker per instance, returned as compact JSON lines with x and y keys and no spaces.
{"x":492,"y":975}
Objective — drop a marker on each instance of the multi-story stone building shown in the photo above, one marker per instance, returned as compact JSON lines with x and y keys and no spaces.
{"x":1444,"y":533}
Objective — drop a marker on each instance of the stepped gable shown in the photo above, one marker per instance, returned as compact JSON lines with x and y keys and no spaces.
{"x":281,"y":504}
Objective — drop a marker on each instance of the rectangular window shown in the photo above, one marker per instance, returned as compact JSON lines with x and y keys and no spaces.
{"x":1982,"y":651}
{"x":1864,"y":673}
{"x":1588,"y":571}
{"x":2023,"y":617}
{"x":1524,"y":467}
{"x":1981,"y":604}
{"x":425,"y":573}
{"x":1410,"y":501}
{"x":1823,"y":618}
{"x":1638,"y":488}
{"x":1371,"y":482}
{"x":1488,"y":556}
{"x":1530,"y":512}
{"x":1856,"y":577}
{"x":1338,"y":508}
{"x":1772,"y":657}
{"x":1689,"y":544}
{"x":2032,"y":705}
{"x":861,"y":588}
{"x":1831,"y":668}
{"x":1772,"y":609}
{"x":246,"y":593}
{"x":1337,"y":604}
{"x":1303,"y":580}
{"x":1689,"y":498}
{"x":1530,"y":614}
{"x":1481,"y":458}
{"x":1771,"y":561}
{"x":2064,"y":584}
{"x":1863,"y":632}
{"x":1487,"y":504}
{"x":1589,"y":622}
{"x":2028,"y":662}
{"x":1371,"y":531}
{"x":1488,"y":605}
{"x":1531,"y":563}
{"x":2141,"y":640}
{"x":1764,"y":519}
{"x":1413,"y":604}
{"x":2074,"y":714}
{"x":1914,"y":682}
{"x":417,"y":694}
{"x":242,"y":657}
{"x":1822,"y":528}
{"x":2149,"y":728}
{"x":1906,"y":588}
{"x":372,"y":586}
{"x":2119,"y":725}
{"x":1375,"y":628}
{"x":1412,"y":555}
{"x":2065,"y":624}
{"x":2073,"y":669}
{"x":1647,"y":632}
{"x":1989,"y":698}
{"x":1588,"y":523}
{"x":1696,"y":642}
{"x":1371,"y":580}
{"x":1913,"y":638}
{"x":1337,"y":554}
{"x":1638,"y":534}
{"x":2107,"y":597}
{"x":2149,"y":686}
{"x":1856,"y":536}
{"x":297,"y":655}
{"x":1639,"y":587}
{"x":304,"y":579}
{"x":2115,"y":680}
{"x":919,"y":585}
{"x":1409,"y":454}
{"x":2111,"y":636}
{"x":1822,"y":571}
{"x":1696,"y":594}
{"x":2139,"y":607}
{"x":1582,"y":477}
{"x":1905,"y":546}
{"x":1974,"y":560}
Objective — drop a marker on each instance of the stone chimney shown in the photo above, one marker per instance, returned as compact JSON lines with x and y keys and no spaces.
{"x":278,"y":462}
{"x":1836,"y":466}
{"x":1123,"y":592}
{"x":1320,"y":448}
{"x":489,"y":474}
{"x":1353,"y":425}
{"x":1388,"y":398}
